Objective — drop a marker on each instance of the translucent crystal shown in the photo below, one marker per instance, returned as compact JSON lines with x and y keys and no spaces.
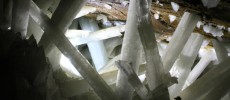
{"x":215,"y":78}
{"x":179,"y":38}
{"x":182,"y":66}
{"x":197,"y":70}
{"x":172,"y":18}
{"x":85,"y":10}
{"x":96,"y":48}
{"x":175,"y":6}
{"x":78,"y":37}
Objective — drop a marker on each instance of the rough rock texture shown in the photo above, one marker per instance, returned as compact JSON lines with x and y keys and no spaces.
{"x":164,"y":9}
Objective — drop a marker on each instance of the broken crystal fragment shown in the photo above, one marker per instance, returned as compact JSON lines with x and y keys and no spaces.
{"x":102,"y":17}
{"x":213,"y":30}
{"x":172,"y":18}
{"x":156,"y":16}
{"x":175,"y":6}
{"x":107,"y":6}
{"x":220,"y":26}
{"x":199,"y":23}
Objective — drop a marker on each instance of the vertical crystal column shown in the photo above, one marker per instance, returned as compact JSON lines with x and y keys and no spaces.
{"x":96,"y":48}
{"x":185,"y":61}
{"x":130,"y":52}
{"x":179,"y":38}
{"x":155,"y":73}
{"x":133,"y":79}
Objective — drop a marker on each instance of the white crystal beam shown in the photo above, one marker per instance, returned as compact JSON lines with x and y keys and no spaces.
{"x":133,"y":79}
{"x":96,"y":48}
{"x":183,"y":65}
{"x":130,"y":52}
{"x":211,"y":79}
{"x":77,"y":59}
{"x":78,"y":37}
{"x":197,"y":70}
{"x":179,"y":38}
